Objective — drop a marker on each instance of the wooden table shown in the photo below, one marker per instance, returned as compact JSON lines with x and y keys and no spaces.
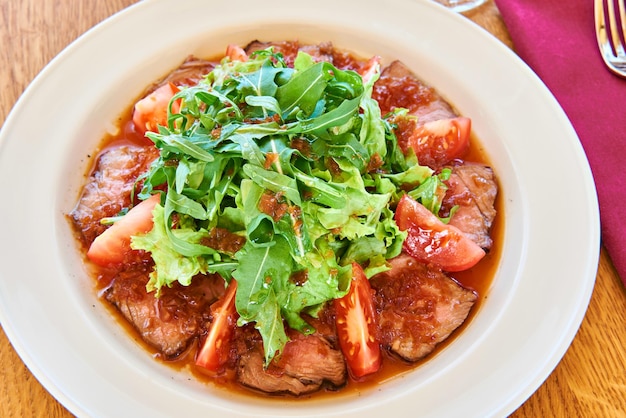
{"x":590,"y":381}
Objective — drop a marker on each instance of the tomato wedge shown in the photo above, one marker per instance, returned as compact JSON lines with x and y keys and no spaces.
{"x":111,"y":247}
{"x":371,"y":67}
{"x":431,"y":241}
{"x":214,"y":351}
{"x":437,"y":142}
{"x":236,"y":53}
{"x":151,"y":111}
{"x":356,"y":326}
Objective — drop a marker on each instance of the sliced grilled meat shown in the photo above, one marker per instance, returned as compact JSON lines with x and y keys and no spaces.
{"x":109,"y":187}
{"x":322,"y":52}
{"x":419,"y":307}
{"x":307,"y":363}
{"x":168,"y":323}
{"x":473,"y":188}
{"x":398,"y":86}
{"x":190,"y":72}
{"x":289,"y":50}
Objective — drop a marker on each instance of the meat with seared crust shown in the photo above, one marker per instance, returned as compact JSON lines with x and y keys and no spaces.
{"x":419,"y":307}
{"x":398,"y":86}
{"x":189,"y":73}
{"x":168,"y":323}
{"x":473,"y":188}
{"x":109,"y":187}
{"x":307,"y":363}
{"x":289,"y":50}
{"x":322,"y":52}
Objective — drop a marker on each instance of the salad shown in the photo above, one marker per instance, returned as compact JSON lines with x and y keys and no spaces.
{"x":288,"y":181}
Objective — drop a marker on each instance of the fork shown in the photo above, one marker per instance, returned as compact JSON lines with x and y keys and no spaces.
{"x":612,"y":48}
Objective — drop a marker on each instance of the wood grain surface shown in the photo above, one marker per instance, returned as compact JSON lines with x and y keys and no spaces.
{"x":590,"y":381}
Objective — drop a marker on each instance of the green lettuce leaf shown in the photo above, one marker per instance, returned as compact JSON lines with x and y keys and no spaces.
{"x":170,"y":265}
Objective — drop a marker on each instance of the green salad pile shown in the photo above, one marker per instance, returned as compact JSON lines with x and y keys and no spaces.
{"x":312,"y":140}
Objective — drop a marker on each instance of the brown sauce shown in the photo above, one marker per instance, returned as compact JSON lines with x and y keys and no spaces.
{"x":478,"y":278}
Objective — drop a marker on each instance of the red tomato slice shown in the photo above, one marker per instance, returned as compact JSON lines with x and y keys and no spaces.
{"x":214,"y":352}
{"x":371,"y":67}
{"x":110,"y":247}
{"x":356,"y":327}
{"x":438,"y":142}
{"x":236,"y":53}
{"x":151,"y":111}
{"x":431,"y":241}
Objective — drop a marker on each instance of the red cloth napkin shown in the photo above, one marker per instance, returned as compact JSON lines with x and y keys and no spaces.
{"x":556,"y":38}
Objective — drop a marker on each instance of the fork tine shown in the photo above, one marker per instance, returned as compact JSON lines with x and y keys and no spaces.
{"x":613,"y":27}
{"x":601,"y":28}
{"x":622,"y":20}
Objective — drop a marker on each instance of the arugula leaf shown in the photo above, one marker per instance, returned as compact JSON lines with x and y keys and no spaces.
{"x":180,"y":144}
{"x":332,"y":119}
{"x":303,"y":90}
{"x":256,"y":300}
{"x":273,"y":181}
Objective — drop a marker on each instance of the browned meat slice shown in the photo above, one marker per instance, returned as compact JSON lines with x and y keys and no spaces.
{"x":474,"y":189}
{"x":306,"y":364}
{"x":289,"y":50}
{"x":168,"y":323}
{"x":322,"y":52}
{"x":419,"y":307}
{"x":109,"y":187}
{"x":399,"y":87}
{"x":190,"y":72}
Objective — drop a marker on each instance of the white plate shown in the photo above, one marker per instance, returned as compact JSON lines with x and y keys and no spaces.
{"x":541,"y":290}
